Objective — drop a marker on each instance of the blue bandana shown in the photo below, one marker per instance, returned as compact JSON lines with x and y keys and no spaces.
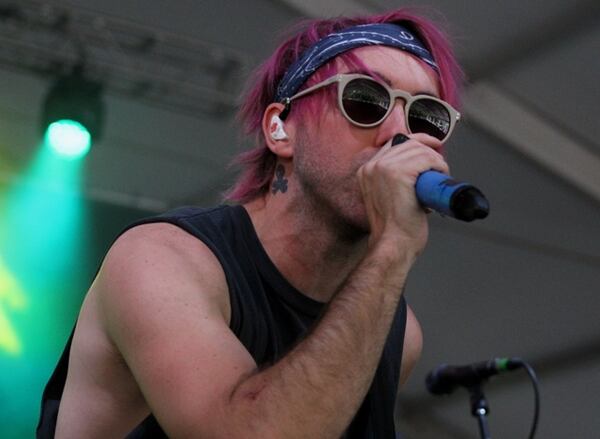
{"x":332,"y":45}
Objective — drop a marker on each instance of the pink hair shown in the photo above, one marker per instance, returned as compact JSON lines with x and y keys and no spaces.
{"x":258,"y":164}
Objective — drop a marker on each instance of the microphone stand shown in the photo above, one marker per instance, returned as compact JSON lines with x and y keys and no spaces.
{"x":480,"y":409}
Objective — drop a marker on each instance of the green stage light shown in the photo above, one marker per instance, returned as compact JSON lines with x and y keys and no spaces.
{"x":43,"y":241}
{"x":73,"y":114}
{"x":68,"y":138}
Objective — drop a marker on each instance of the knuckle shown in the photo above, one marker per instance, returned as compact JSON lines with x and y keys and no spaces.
{"x":381,"y":167}
{"x":367,"y":168}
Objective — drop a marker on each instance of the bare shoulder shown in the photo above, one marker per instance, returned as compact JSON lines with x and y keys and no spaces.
{"x":160,"y":260}
{"x":163,"y":301}
{"x":162,"y":235}
{"x":413,"y":345}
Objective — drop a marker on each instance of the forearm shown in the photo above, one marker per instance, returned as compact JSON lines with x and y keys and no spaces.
{"x":315,"y":390}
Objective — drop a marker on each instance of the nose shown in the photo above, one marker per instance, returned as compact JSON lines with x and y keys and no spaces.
{"x":395,"y":122}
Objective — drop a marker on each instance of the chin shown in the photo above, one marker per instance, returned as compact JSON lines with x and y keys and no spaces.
{"x":353,"y":222}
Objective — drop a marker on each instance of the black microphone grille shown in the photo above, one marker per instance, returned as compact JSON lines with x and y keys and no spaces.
{"x":445,"y":378}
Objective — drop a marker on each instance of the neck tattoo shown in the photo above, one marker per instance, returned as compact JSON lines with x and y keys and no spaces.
{"x":280,"y":184}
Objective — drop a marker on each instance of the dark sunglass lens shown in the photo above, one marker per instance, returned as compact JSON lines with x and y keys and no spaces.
{"x":429,"y":117}
{"x":365,"y":101}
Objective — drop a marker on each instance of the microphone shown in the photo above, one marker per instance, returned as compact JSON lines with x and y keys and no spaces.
{"x":447,"y":196}
{"x":450,"y":197}
{"x":444,"y":379}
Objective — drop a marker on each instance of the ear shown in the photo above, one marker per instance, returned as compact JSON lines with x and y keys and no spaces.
{"x":278,"y":135}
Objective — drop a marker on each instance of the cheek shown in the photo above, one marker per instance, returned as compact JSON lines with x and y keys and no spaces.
{"x":317,"y":149}
{"x":319,"y":163}
{"x":334,"y":150}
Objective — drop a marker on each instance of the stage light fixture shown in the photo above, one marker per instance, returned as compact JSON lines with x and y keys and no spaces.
{"x":73,"y":114}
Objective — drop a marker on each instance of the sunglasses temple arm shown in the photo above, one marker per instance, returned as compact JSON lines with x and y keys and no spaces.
{"x":287,"y":101}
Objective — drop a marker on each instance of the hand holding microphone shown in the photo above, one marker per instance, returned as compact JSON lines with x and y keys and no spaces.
{"x":447,"y":196}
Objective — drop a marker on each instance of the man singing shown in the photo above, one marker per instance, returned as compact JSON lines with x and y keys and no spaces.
{"x":281,"y":314}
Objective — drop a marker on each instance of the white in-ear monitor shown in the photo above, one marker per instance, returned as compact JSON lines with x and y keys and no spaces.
{"x":276,"y":129}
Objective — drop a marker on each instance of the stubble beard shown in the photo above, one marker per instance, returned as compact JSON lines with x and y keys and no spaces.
{"x":330,"y":193}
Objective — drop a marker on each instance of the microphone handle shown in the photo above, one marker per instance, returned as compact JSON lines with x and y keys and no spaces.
{"x":450,"y":197}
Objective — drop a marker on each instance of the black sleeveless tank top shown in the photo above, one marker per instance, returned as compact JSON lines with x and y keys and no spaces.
{"x":268,"y":315}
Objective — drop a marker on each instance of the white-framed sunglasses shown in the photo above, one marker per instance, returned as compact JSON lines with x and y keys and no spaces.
{"x":366,"y":103}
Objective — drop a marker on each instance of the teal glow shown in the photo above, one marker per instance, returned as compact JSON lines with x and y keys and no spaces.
{"x":68,"y":138}
{"x":43,"y":246}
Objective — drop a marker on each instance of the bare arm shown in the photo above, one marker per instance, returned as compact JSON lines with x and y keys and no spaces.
{"x":413,"y":345}
{"x":163,"y":301}
{"x":326,"y":377}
